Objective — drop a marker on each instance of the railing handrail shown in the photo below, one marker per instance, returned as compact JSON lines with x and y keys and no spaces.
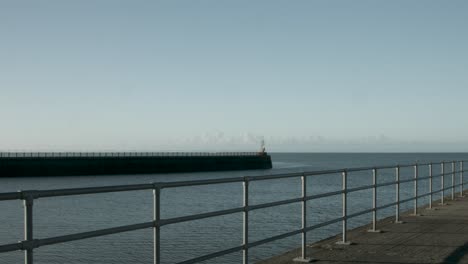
{"x":174,"y":184}
{"x":30,"y":195}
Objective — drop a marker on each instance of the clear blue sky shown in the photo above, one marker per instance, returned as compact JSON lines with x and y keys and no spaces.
{"x":219,"y":75}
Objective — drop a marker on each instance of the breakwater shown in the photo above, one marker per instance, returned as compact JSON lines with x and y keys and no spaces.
{"x":64,"y":164}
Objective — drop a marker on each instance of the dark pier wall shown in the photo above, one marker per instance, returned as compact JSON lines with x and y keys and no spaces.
{"x":63,"y":166}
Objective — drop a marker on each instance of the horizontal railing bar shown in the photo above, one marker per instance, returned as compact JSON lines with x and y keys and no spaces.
{"x":440,"y":190}
{"x":266,"y":205}
{"x":212,"y":255}
{"x":447,"y":173}
{"x":10,"y":196}
{"x":181,"y":219}
{"x":10,"y":247}
{"x":436,"y":163}
{"x":199,"y":182}
{"x":274,"y":238}
{"x":407,"y":200}
{"x":96,"y":233}
{"x":360,"y":213}
{"x":323,"y":172}
{"x":371,"y":168}
{"x":276,"y":176}
{"x":425,"y":178}
{"x":92,"y":190}
{"x":356,"y":189}
{"x":408,"y":165}
{"x":323,"y":224}
{"x":322,"y":195}
{"x":407,"y":180}
{"x":385,"y":184}
{"x":448,"y":188}
{"x":135,"y":187}
{"x":423,"y":195}
{"x":386,"y":205}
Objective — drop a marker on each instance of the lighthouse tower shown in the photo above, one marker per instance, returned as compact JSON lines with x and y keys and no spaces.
{"x":262,"y":148}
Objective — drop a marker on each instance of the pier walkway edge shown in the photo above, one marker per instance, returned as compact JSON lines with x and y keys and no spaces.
{"x":437,"y":235}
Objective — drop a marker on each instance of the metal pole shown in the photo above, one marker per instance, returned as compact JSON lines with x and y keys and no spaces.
{"x":28,"y":227}
{"x":344,"y":241}
{"x":303,"y":257}
{"x":461,"y":178}
{"x":430,"y":186}
{"x":374,"y":202}
{"x":442,"y":183}
{"x":157,"y":227}
{"x":304,"y":216}
{"x":415,"y":189}
{"x":245,"y":251}
{"x":453,"y":180}
{"x":397,"y":196}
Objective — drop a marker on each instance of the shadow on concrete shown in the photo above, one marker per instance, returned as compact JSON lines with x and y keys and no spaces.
{"x":456,"y":255}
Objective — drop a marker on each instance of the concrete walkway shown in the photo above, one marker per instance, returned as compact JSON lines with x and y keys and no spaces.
{"x":436,"y":236}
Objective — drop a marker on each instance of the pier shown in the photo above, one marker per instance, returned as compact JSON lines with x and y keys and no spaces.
{"x":31,"y":164}
{"x":439,"y":234}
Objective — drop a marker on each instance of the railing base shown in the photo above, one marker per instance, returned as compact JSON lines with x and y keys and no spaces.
{"x":374,"y":231}
{"x":304,"y":260}
{"x":343,"y":243}
{"x":398,"y":222}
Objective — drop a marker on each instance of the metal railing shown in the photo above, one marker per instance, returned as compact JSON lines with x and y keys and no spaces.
{"x":120,"y":154}
{"x":30,"y":243}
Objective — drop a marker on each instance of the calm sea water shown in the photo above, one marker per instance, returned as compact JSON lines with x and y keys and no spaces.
{"x":67,"y":215}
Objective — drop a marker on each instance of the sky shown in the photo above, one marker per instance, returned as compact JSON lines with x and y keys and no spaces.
{"x":218,"y":75}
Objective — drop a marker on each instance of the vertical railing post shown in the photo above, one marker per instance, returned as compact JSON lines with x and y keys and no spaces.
{"x":303,"y":257}
{"x":245,"y":251}
{"x":461,"y":179}
{"x":430,"y":185}
{"x":453,"y":180}
{"x":157,"y":227}
{"x":304,"y":216}
{"x":28,"y":201}
{"x":442,"y":171}
{"x":344,"y":240}
{"x":397,"y":195}
{"x":415,"y":209}
{"x":374,"y":202}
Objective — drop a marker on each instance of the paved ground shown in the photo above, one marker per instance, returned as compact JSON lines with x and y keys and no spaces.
{"x":436,"y":236}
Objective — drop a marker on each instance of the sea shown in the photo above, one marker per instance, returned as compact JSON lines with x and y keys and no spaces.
{"x":57,"y":216}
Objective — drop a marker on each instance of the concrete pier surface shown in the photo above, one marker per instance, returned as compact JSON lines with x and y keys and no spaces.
{"x":434,"y":236}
